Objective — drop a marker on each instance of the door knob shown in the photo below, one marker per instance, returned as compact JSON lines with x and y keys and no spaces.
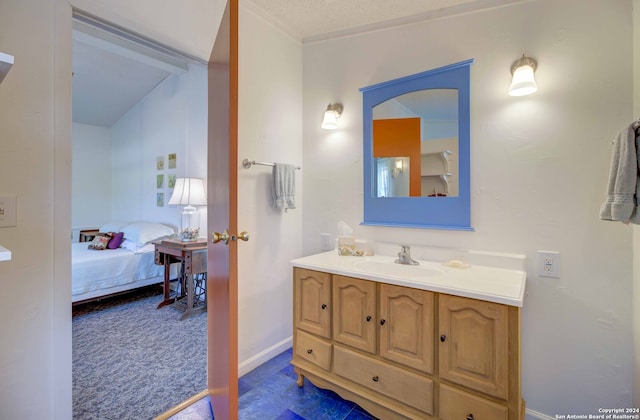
{"x":220,"y":237}
{"x":243,"y":236}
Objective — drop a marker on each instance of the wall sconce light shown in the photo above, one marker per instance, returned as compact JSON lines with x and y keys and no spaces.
{"x":331,"y":115}
{"x":189,"y":192}
{"x":523,"y":82}
{"x":398,"y":168}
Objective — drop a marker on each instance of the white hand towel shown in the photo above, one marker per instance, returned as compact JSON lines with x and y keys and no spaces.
{"x":284,"y":186}
{"x":624,"y":186}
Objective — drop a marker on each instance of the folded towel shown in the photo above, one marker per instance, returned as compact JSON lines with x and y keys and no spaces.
{"x":284,"y":186}
{"x":624,"y":185}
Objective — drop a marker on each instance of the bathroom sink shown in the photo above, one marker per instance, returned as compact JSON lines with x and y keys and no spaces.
{"x":390,"y":268}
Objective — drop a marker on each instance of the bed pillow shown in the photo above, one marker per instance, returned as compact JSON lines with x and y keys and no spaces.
{"x":116,"y":240}
{"x":100,"y":241}
{"x":135,"y":248}
{"x":113,"y":227}
{"x":143,"y":232}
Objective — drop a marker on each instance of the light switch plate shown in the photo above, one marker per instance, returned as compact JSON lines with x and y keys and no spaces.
{"x":8,"y":210}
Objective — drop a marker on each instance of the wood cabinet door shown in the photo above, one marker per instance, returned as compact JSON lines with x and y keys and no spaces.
{"x":312,"y":297}
{"x":406,"y":326}
{"x":473,"y":344}
{"x":354,"y":313}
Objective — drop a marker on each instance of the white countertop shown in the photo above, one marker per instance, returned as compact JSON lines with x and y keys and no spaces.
{"x":5,"y":254}
{"x":502,"y":283}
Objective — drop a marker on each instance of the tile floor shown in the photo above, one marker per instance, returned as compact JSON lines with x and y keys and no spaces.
{"x":270,"y":392}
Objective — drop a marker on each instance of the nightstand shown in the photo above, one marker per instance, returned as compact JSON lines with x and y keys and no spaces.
{"x":192,"y":257}
{"x":87,"y":235}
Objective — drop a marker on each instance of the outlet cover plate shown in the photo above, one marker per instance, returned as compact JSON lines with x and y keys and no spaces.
{"x":549,"y":264}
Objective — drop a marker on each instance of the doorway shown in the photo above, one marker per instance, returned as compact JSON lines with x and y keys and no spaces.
{"x":138,"y":103}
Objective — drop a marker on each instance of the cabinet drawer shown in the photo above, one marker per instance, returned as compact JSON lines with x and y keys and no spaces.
{"x":313,"y":349}
{"x":411,"y":389}
{"x":456,"y":404}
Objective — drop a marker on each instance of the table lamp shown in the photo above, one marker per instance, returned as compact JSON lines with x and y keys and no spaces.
{"x":189,"y":192}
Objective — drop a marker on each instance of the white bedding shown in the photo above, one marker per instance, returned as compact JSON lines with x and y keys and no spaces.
{"x":98,"y":273}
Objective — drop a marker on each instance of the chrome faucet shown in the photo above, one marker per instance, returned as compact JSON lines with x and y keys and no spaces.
{"x":404,"y":256}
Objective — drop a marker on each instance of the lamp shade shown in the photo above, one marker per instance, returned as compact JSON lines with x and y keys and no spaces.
{"x":523,"y":81}
{"x":188,"y":192}
{"x":330,"y":121}
{"x":331,"y":115}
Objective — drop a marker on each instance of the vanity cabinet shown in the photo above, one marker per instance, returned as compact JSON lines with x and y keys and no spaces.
{"x":402,"y":352}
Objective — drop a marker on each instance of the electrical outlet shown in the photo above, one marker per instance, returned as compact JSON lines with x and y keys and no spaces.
{"x":8,"y":210}
{"x":325,"y":242}
{"x":549,"y":264}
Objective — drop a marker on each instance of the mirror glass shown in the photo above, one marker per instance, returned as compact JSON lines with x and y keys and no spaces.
{"x":416,"y":150}
{"x":423,"y":125}
{"x":392,"y":176}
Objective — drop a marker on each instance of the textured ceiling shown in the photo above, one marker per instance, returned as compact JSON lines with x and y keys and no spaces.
{"x":310,"y":20}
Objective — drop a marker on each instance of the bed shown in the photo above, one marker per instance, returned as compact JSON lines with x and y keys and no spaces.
{"x":98,"y":273}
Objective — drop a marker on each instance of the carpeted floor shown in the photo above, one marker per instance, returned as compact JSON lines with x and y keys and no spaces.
{"x":133,"y":361}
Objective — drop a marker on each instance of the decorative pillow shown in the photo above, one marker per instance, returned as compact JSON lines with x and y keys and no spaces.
{"x":116,"y":240}
{"x":100,"y":241}
{"x":113,"y":227}
{"x":143,"y":232}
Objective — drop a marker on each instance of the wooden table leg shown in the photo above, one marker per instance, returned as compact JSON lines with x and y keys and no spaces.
{"x":167,"y":292}
{"x":189,"y":283}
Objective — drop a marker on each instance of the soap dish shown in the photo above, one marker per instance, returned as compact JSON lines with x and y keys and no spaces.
{"x":456,"y":264}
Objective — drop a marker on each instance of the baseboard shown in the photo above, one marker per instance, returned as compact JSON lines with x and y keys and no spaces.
{"x":182,"y":406}
{"x":534,"y":415}
{"x":267,"y":354}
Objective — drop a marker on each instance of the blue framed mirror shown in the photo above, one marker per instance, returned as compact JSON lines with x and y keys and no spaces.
{"x":416,"y":150}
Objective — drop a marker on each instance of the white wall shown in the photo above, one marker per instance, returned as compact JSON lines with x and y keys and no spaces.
{"x":35,"y":164}
{"x":269,"y":130}
{"x":91,"y":177}
{"x":170,"y":119}
{"x":115,"y":179}
{"x":539,"y":168}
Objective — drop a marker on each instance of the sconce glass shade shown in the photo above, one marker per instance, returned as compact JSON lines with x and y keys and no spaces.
{"x":189,"y":192}
{"x":331,"y":115}
{"x":523,"y":82}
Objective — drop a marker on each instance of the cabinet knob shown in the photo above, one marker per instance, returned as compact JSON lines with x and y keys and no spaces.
{"x":324,"y":306}
{"x":368,"y":318}
{"x":375,"y":379}
{"x":382,"y":321}
{"x":469,"y":416}
{"x":309,"y":351}
{"x":443,"y":339}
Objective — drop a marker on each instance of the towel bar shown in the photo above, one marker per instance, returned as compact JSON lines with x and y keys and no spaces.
{"x":246,"y":163}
